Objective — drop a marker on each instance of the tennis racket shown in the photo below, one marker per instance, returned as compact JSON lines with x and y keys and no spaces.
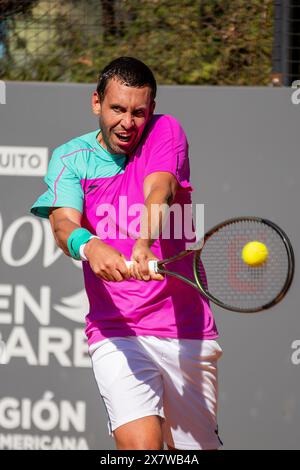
{"x":222,"y":276}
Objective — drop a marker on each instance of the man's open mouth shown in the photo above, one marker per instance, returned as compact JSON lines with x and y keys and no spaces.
{"x":123,"y":138}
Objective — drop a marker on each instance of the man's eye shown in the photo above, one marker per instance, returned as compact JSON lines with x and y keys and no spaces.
{"x":139,"y":113}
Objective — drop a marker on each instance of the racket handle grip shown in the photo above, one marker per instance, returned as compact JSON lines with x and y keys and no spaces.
{"x":152,"y":265}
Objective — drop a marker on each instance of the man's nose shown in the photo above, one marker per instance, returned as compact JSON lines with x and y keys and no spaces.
{"x":127,"y":121}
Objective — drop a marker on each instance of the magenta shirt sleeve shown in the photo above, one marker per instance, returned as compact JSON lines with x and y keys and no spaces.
{"x":168,"y":150}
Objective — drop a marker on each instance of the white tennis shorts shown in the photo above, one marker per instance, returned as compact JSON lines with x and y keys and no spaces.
{"x":176,"y":379}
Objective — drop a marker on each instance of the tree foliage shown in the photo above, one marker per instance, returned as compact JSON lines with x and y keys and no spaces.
{"x":216,"y":42}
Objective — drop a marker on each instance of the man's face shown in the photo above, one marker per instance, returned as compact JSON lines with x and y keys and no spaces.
{"x":123,"y":115}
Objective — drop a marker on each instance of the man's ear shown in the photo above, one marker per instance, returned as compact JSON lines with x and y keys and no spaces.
{"x":96,"y":104}
{"x":152,"y":108}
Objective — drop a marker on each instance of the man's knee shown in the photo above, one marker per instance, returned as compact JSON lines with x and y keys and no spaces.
{"x":140,"y":434}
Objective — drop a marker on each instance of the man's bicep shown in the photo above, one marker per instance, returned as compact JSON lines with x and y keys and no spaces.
{"x":161,"y":180}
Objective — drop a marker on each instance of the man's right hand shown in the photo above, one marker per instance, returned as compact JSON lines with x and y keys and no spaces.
{"x":106,"y":262}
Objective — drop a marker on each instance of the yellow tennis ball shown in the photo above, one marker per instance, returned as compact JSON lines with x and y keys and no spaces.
{"x":255,"y":253}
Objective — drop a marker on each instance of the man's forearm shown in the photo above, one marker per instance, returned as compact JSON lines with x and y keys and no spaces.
{"x":155,"y":215}
{"x":62,"y":230}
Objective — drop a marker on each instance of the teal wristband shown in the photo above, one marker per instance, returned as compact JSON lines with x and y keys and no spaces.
{"x":76,"y":239}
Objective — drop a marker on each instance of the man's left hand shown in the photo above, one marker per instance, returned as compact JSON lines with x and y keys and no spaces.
{"x":141,"y":255}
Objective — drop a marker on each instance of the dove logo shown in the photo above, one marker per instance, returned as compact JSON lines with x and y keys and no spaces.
{"x":73,"y":307}
{"x":41,"y":238}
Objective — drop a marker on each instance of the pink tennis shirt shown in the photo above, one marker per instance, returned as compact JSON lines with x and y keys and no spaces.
{"x":111,"y":207}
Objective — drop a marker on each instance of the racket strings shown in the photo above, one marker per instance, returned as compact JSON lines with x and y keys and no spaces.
{"x":223,"y":273}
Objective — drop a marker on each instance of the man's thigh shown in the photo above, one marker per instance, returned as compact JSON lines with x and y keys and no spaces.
{"x":189,"y":370}
{"x":131,"y":387}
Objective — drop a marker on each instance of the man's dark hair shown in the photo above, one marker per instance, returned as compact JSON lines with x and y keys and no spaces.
{"x":129,"y":71}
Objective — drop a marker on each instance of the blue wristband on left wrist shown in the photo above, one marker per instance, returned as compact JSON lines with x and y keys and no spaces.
{"x":76,"y":239}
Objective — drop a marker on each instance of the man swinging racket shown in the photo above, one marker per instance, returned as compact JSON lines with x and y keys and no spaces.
{"x":152,"y":338}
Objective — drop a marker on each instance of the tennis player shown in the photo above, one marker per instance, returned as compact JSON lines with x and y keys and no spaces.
{"x":152,"y":339}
